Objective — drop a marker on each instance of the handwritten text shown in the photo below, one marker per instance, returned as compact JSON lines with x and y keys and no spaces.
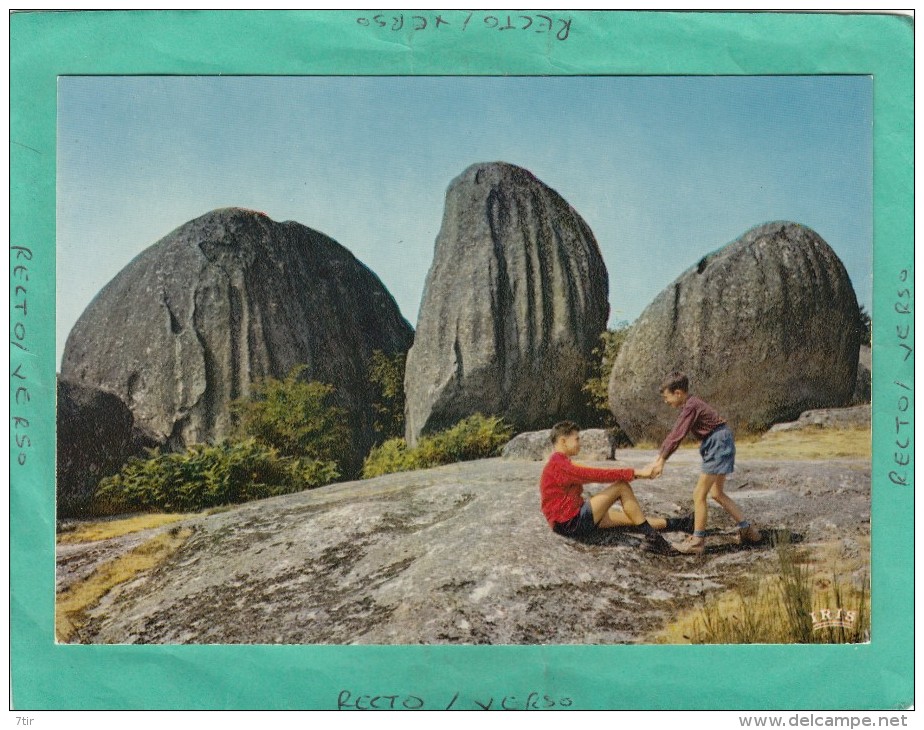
{"x":901,"y":456}
{"x":347,"y":700}
{"x":551,"y":25}
{"x":20,"y":427}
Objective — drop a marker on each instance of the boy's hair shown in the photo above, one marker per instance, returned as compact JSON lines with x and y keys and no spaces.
{"x":563,"y":428}
{"x":675,"y":381}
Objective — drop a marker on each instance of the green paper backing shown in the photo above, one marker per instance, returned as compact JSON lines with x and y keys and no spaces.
{"x":45,"y":45}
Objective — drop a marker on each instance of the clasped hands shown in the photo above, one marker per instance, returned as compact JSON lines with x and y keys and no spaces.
{"x":652,"y":471}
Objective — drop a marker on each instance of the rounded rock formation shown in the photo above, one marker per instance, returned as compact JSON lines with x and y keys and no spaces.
{"x":96,"y":435}
{"x":766,"y":328}
{"x":863,"y":392}
{"x":513,"y":306}
{"x":537,"y":446}
{"x":854,"y":417}
{"x":224,"y":300}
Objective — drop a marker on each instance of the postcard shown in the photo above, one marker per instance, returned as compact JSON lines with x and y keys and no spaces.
{"x":460,"y":360}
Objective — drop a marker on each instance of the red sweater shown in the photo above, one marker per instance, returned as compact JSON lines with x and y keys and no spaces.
{"x":560,"y":486}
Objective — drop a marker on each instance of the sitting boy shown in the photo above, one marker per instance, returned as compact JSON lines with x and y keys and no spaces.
{"x":569,"y":514}
{"x":718,"y":452}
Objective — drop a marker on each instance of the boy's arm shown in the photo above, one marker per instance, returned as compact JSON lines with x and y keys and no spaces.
{"x":678,"y":433}
{"x":591,"y":475}
{"x":672,"y":441}
{"x":656,"y":468}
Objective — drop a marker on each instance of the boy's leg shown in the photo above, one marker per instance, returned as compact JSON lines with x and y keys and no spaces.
{"x":704,"y":487}
{"x":712,"y":485}
{"x":695,"y":543}
{"x":631,"y":513}
{"x":717,"y":492}
{"x":747,"y":533}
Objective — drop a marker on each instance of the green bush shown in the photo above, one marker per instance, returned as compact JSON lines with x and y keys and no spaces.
{"x":386,"y":375}
{"x":597,"y":387}
{"x":475,"y":437}
{"x":295,"y":417}
{"x":209,"y":476}
{"x":389,"y":457}
{"x":865,"y":327}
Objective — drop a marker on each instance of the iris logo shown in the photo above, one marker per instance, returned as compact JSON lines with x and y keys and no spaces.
{"x":825,"y":617}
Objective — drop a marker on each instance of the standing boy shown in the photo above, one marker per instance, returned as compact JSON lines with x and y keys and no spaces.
{"x":569,"y":514}
{"x":718,"y":451}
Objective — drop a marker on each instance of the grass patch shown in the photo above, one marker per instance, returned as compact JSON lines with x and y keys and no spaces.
{"x":807,"y":443}
{"x":785,"y":607}
{"x":73,"y":603}
{"x":116,"y":528}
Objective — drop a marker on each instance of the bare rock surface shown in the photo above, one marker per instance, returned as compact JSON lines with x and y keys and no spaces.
{"x":513,"y":305}
{"x":226,"y":299}
{"x":855,"y":417}
{"x":461,"y":554}
{"x":766,"y":327}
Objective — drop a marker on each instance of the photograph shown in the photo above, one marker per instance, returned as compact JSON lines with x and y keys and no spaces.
{"x":318,"y":338}
{"x":461,"y":360}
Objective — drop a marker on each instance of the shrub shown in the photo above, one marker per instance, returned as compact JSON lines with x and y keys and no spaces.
{"x":386,"y":375}
{"x":208,"y":476}
{"x":865,"y":327}
{"x":475,"y":437}
{"x":295,"y":417}
{"x":598,"y":385}
{"x":389,"y":457}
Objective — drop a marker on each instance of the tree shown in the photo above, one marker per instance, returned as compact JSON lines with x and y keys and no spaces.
{"x":597,"y":386}
{"x":386,"y":374}
{"x":865,"y":326}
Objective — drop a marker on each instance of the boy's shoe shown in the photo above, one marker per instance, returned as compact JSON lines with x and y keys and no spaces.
{"x":691,"y":546}
{"x":654,"y":543}
{"x":749,"y":535}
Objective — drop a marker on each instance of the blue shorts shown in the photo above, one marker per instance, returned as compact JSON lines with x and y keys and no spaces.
{"x":718,"y":451}
{"x":579,"y":525}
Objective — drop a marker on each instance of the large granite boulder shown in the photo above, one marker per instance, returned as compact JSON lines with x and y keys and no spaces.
{"x":96,"y":435}
{"x":514,"y":303}
{"x":224,"y":300}
{"x":863,"y":392}
{"x":537,"y":446}
{"x":766,"y":328}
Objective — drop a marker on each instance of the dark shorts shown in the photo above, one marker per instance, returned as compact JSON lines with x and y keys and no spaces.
{"x":718,"y":451}
{"x":579,"y":525}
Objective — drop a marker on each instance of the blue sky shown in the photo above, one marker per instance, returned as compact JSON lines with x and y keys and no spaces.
{"x":663,"y":169}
